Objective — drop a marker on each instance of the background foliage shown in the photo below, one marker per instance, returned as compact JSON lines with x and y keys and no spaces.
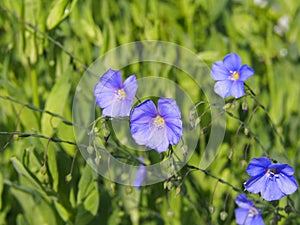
{"x":44,"y":49}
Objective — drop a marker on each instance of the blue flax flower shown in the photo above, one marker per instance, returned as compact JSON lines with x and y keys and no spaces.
{"x":230,"y":75}
{"x":247,"y":213}
{"x":113,"y":96}
{"x":156,"y":128}
{"x":273,"y":181}
{"x":141,"y":176}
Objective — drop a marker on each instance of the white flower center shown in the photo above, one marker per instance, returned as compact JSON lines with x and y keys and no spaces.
{"x":121,"y":94}
{"x":273,"y":173}
{"x":159,"y":122}
{"x":235,"y":75}
{"x":253,"y":212}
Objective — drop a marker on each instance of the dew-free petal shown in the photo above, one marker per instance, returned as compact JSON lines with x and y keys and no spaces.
{"x":130,"y":87}
{"x":232,"y":62}
{"x":168,"y":108}
{"x":271,"y":191}
{"x":242,"y":201}
{"x":288,"y":170}
{"x":141,"y":133}
{"x":237,"y":89}
{"x":241,"y":216}
{"x":174,"y":130}
{"x":104,"y":96}
{"x":257,"y":220}
{"x":223,"y":88}
{"x":219,"y":71}
{"x":245,"y":72}
{"x":143,"y":113}
{"x":158,"y":140}
{"x":141,"y":176}
{"x":117,"y":108}
{"x":256,"y":184}
{"x":112,"y":79}
{"x":287,"y":184}
{"x":258,"y":166}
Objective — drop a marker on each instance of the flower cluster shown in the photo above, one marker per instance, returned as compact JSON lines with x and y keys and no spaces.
{"x":150,"y":126}
{"x":157,"y":126}
{"x":271,"y":181}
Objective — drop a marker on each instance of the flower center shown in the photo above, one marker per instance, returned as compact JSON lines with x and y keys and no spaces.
{"x":235,"y":75}
{"x":273,"y":173}
{"x":121,"y":94}
{"x":253,"y":212}
{"x":159,"y":121}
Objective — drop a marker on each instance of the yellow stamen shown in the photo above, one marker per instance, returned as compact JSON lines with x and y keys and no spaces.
{"x":235,"y":75}
{"x":121,"y":94}
{"x":159,"y":121}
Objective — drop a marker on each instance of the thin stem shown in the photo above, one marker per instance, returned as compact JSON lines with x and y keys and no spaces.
{"x":31,"y":107}
{"x":24,"y":135}
{"x":215,"y":177}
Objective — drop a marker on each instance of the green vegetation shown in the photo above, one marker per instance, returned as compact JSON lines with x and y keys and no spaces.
{"x":45,"y":48}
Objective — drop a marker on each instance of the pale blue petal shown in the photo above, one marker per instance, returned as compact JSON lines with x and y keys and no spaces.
{"x":258,"y":166}
{"x":232,"y":62}
{"x":287,"y":184}
{"x":242,"y":201}
{"x":287,"y":169}
{"x":117,"y":108}
{"x":104,"y":96}
{"x":257,"y":220}
{"x":143,"y":129}
{"x":256,"y":184}
{"x":141,"y":132}
{"x":141,"y":119}
{"x":245,"y":72}
{"x":219,"y":71}
{"x":237,"y":89}
{"x":158,"y":140}
{"x":174,"y":130}
{"x":143,"y":113}
{"x":223,"y":88}
{"x":168,"y":108}
{"x":141,"y":176}
{"x":130,"y":87}
{"x":112,"y":79}
{"x":241,"y":216}
{"x":271,"y":191}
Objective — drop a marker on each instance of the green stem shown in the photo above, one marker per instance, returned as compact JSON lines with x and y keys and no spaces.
{"x":34,"y":86}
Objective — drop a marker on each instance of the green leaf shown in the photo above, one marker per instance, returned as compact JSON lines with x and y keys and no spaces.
{"x":62,"y":211}
{"x":21,"y":170}
{"x":21,"y":220}
{"x":36,"y":209}
{"x":86,"y":184}
{"x":131,"y":199}
{"x":55,"y":103}
{"x":1,"y":189}
{"x":59,"y":11}
{"x":87,"y":198}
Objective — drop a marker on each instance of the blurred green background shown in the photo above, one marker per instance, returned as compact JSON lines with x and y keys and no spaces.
{"x":46,"y":46}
